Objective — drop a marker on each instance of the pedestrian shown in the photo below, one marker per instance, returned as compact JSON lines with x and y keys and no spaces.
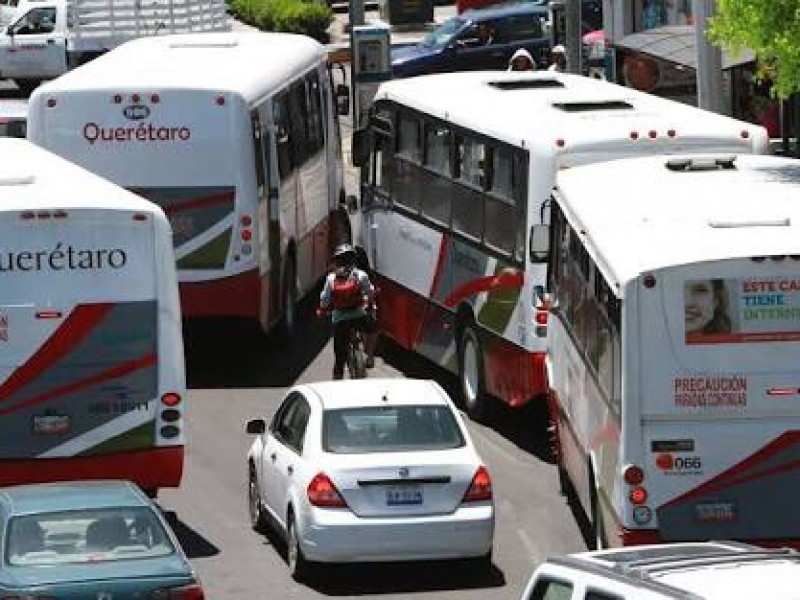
{"x":521,"y":61}
{"x":558,"y":56}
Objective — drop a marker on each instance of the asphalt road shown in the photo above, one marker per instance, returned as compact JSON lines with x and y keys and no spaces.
{"x":235,"y":374}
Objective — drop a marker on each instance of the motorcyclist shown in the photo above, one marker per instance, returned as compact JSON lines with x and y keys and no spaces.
{"x":349,"y":295}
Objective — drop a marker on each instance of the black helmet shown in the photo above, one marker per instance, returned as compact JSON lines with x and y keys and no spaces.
{"x":344,"y":254}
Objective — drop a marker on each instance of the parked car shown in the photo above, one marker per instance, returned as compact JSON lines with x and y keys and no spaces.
{"x":372,"y":470}
{"x":89,"y":539}
{"x":477,"y":40}
{"x":698,"y":570}
{"x":13,"y":118}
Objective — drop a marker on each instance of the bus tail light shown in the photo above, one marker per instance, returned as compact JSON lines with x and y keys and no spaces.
{"x":633,"y":475}
{"x":638,"y":496}
{"x":247,"y":235}
{"x":541,"y":317}
{"x":322,"y":492}
{"x":171,"y":399}
{"x":480,"y":488}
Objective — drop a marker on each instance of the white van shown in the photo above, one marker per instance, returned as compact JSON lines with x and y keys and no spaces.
{"x":92,"y":382}
{"x":698,"y":571}
{"x":45,"y":38}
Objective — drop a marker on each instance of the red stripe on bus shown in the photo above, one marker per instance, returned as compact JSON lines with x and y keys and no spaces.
{"x":77,"y":326}
{"x":737,"y":474}
{"x":504,"y":281}
{"x":203,"y":202}
{"x":437,"y":275}
{"x":151,"y":468}
{"x":112,"y":373}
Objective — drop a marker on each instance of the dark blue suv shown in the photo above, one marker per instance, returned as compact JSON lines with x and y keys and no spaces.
{"x":477,"y":40}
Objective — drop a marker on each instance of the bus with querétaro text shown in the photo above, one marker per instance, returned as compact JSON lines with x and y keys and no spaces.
{"x":457,"y":168}
{"x":673,"y":346}
{"x":236,"y":137}
{"x":92,"y":378}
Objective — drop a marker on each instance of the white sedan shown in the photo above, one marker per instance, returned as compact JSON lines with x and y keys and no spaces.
{"x":370,"y":470}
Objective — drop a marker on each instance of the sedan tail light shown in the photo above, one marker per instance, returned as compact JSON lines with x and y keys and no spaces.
{"x":480,"y":488}
{"x":322,"y":492}
{"x":193,"y":591}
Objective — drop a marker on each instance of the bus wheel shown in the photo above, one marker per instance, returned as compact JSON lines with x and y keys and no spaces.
{"x":290,"y":303}
{"x":598,"y":539}
{"x":471,"y":375}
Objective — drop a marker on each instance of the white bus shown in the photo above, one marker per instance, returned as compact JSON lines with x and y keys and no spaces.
{"x":235,"y":136}
{"x":673,"y":348}
{"x":92,"y":381}
{"x":456,"y":169}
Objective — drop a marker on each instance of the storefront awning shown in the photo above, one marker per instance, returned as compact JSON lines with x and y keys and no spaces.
{"x":676,"y":43}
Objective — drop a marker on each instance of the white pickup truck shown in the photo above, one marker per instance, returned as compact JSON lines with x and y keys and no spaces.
{"x":45,"y":38}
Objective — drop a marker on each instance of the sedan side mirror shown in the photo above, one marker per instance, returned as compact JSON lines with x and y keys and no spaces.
{"x":256,"y":426}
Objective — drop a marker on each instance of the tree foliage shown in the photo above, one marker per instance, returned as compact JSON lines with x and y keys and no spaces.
{"x":768,"y":28}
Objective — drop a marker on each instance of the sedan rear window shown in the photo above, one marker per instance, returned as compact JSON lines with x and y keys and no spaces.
{"x":82,"y":536}
{"x":390,"y":429}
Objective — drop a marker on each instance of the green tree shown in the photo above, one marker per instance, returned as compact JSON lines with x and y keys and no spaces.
{"x":768,"y":28}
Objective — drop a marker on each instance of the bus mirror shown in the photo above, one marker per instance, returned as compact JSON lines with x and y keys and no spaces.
{"x":256,"y":426}
{"x":352,"y":204}
{"x":539,"y":243}
{"x":342,"y":99}
{"x":359,"y":152}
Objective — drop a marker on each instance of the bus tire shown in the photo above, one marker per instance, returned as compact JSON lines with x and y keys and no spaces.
{"x":471,"y":376}
{"x":290,"y":301}
{"x":597,"y":540}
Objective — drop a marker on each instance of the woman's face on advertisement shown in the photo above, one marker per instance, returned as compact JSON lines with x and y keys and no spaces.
{"x":699,"y":304}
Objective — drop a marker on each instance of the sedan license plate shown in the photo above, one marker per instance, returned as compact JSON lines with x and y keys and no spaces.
{"x":406,"y":495}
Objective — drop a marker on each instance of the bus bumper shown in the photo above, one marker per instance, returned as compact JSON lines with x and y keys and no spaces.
{"x":150,"y":469}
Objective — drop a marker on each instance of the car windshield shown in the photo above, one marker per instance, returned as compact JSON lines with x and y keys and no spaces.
{"x":82,"y":536}
{"x":442,"y":35}
{"x":390,"y":429}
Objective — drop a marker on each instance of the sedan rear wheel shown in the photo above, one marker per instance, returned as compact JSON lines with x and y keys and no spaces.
{"x":299,"y":567}
{"x":258,"y":517}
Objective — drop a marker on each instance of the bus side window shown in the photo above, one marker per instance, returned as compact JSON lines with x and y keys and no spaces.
{"x":468,"y":198}
{"x":501,"y":217}
{"x":313,"y":114}
{"x":281,"y":118}
{"x":437,"y":158}
{"x":298,"y":138}
{"x":407,"y":171}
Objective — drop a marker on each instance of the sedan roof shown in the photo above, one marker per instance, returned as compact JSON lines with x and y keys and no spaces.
{"x":49,"y":497}
{"x":375,"y":392}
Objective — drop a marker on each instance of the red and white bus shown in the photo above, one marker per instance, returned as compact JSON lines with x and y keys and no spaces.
{"x":457,"y":168}
{"x":674,"y":286}
{"x":92,"y":382}
{"x":235,"y":136}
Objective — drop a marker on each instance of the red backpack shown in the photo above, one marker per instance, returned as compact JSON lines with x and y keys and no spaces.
{"x":346,"y":292}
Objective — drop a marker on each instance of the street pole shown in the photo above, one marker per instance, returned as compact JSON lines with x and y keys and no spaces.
{"x":709,"y":60}
{"x":356,"y":18}
{"x":572,"y":36}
